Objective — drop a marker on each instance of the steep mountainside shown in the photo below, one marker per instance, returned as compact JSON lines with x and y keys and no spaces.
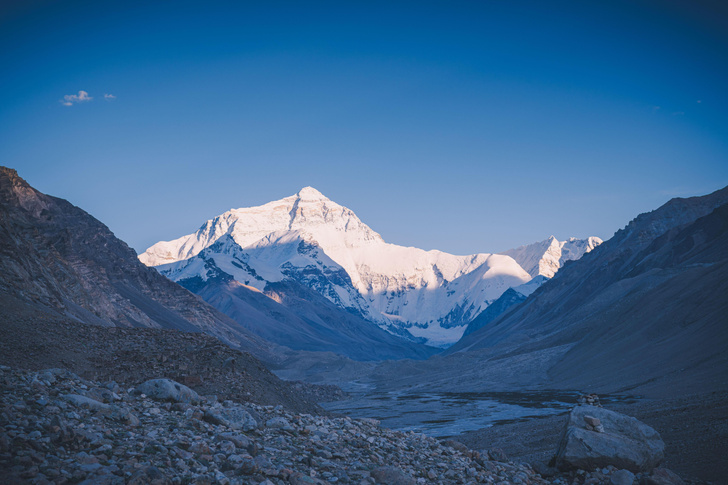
{"x":57,"y":256}
{"x":546,"y":257}
{"x":307,"y":238}
{"x":646,"y":309}
{"x":296,"y":316}
{"x":512,"y":297}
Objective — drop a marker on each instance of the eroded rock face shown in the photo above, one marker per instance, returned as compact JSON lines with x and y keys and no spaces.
{"x":625,"y":442}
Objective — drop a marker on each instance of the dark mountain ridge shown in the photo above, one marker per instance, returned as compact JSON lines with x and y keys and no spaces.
{"x":508,"y":299}
{"x":623,"y":257}
{"x":56,"y":255}
{"x":646,"y":309}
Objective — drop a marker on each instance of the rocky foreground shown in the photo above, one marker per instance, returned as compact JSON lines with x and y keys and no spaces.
{"x":56,"y":427}
{"x":34,"y":339}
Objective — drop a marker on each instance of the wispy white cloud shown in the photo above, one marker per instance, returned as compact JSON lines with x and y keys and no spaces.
{"x":71,"y":99}
{"x":109,"y":97}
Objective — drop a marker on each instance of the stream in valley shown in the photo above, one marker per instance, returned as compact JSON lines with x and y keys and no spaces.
{"x":442,"y":414}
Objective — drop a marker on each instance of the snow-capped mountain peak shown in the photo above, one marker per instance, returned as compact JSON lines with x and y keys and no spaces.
{"x":309,"y":211}
{"x":547,"y":256}
{"x":308,"y":238}
{"x":311,"y":240}
{"x":310,"y":194}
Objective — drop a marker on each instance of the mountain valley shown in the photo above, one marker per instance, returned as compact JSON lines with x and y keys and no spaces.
{"x":280,"y":304}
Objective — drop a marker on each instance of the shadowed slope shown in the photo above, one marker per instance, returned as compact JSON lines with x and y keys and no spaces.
{"x":649,"y":307}
{"x":54,"y":254}
{"x":293,"y":315}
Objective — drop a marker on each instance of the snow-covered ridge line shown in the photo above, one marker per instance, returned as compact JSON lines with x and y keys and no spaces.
{"x":547,"y":256}
{"x":429,"y":295}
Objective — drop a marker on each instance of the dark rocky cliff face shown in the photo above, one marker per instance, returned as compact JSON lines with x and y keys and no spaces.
{"x":58,"y":256}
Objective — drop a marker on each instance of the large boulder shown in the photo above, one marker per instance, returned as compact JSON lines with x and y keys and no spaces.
{"x":86,"y":402}
{"x":234,"y":417}
{"x":390,"y":475}
{"x":168,"y":390}
{"x":596,"y":437}
{"x":663,"y":476}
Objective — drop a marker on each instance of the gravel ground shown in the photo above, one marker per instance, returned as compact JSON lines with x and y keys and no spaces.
{"x":40,"y":340}
{"x":54,"y":431}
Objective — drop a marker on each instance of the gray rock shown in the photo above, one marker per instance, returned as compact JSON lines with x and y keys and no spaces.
{"x":622,"y":477}
{"x":103,"y":480}
{"x":663,"y":476}
{"x":496,"y":454}
{"x":168,"y":390}
{"x":239,"y":440}
{"x":544,"y":470}
{"x":390,"y":475}
{"x":124,"y":415}
{"x":625,"y":443}
{"x":456,"y":445}
{"x":301,"y":479}
{"x":227,"y":447}
{"x":278,"y":422}
{"x":148,"y":475}
{"x":233,"y":418}
{"x":86,"y":403}
{"x":592,"y":421}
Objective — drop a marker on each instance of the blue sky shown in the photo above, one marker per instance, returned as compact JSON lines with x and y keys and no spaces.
{"x":461,"y":126}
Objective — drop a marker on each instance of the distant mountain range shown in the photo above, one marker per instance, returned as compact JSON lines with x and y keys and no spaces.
{"x":647,"y":309}
{"x":307,"y":243}
{"x":545,"y":258}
